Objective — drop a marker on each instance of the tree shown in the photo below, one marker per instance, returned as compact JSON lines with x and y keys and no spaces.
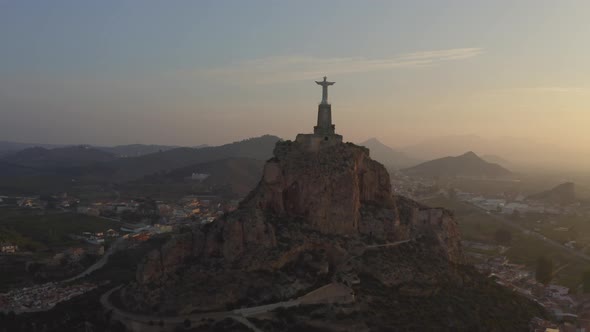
{"x":544,"y":271}
{"x":586,"y":281}
{"x":503,"y":236}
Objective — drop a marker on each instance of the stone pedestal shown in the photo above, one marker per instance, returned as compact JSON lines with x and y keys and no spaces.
{"x":324,"y":134}
{"x":325,"y":126}
{"x":314,"y":142}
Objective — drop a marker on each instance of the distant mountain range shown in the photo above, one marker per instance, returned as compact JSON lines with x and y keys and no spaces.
{"x":17,"y":146}
{"x":125,"y":169}
{"x":495,"y":159}
{"x":7,"y":147}
{"x":135,"y":150}
{"x":468,"y":164}
{"x":523,"y":154}
{"x":562,"y":194}
{"x":388,"y":156}
{"x":62,"y":157}
{"x":235,"y":164}
{"x":241,"y":174}
{"x":11,"y":170}
{"x":129,"y":150}
{"x":126,"y":161}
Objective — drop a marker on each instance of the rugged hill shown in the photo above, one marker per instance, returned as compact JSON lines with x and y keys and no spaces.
{"x":12,"y":170}
{"x":126,"y":169}
{"x":90,"y":167}
{"x":320,"y":223}
{"x":468,"y":164}
{"x":439,"y":147}
{"x":135,"y":150}
{"x":523,"y":153}
{"x":66,"y":157}
{"x":18,"y":146}
{"x":388,"y":156}
{"x":495,"y":159}
{"x":239,"y":174}
{"x":562,"y":194}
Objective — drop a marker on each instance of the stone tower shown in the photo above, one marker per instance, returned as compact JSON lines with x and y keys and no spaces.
{"x":324,"y":134}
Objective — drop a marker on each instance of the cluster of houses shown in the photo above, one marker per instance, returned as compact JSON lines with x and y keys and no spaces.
{"x":193,"y":208}
{"x":197,"y":208}
{"x":99,"y":237}
{"x":37,"y":202}
{"x":538,"y":324}
{"x":518,"y":204}
{"x":163,"y":216}
{"x":412,"y":187}
{"x":108,"y":209}
{"x":8,"y":248}
{"x":41,"y":297}
{"x":555,"y":298}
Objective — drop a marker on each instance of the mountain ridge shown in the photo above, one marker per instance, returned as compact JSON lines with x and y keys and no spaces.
{"x":388,"y":156}
{"x":467,"y":164}
{"x":61,"y":157}
{"x":126,"y":169}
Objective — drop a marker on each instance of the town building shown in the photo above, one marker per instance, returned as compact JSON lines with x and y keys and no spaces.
{"x":8,"y":248}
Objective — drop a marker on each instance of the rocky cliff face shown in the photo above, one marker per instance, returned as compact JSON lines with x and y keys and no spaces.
{"x":328,"y":205}
{"x":325,"y":189}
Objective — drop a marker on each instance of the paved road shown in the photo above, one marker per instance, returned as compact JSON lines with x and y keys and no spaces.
{"x":139,"y":322}
{"x":253,"y":311}
{"x":247,"y":323}
{"x":392,"y":244}
{"x":102,"y":261}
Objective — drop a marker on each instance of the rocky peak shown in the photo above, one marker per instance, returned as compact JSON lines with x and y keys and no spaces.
{"x":324,"y":203}
{"x":469,"y":154}
{"x":373,"y":140}
{"x":338,"y":190}
{"x":326,"y":189}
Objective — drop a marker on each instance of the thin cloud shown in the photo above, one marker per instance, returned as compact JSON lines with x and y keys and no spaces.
{"x":544,"y":90}
{"x":556,"y":89}
{"x":278,"y":69}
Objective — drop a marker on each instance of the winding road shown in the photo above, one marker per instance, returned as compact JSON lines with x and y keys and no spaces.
{"x":392,"y":244}
{"x":115,"y":246}
{"x":141,"y":322}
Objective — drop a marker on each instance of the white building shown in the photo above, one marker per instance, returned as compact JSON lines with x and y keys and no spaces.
{"x":8,"y":248}
{"x":199,"y":176}
{"x":511,"y":207}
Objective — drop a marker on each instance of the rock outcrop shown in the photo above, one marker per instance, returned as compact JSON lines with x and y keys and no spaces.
{"x":330,"y":205}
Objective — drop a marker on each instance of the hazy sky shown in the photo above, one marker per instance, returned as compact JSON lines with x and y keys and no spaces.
{"x":194,"y":72}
